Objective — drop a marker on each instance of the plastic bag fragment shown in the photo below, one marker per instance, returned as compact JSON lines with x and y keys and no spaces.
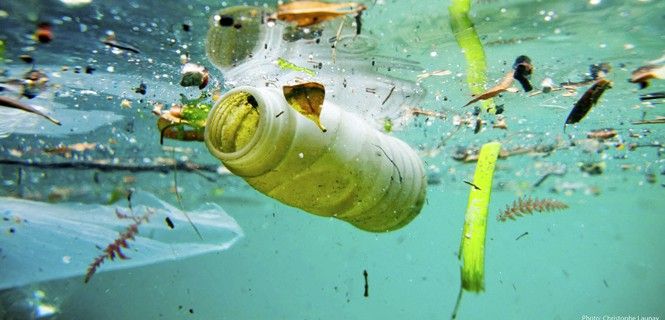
{"x":41,"y":241}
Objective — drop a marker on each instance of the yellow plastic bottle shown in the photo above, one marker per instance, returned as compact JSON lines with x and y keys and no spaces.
{"x":351,"y":172}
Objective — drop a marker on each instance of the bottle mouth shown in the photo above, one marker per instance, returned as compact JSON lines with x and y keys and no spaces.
{"x":232,"y":124}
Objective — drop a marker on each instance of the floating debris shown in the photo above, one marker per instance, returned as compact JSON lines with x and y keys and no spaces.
{"x":194,"y":75}
{"x":428,"y":113}
{"x":66,"y":150}
{"x":43,"y":34}
{"x":286,"y":65}
{"x":547,"y":85}
{"x":26,"y":58}
{"x":366,"y":292}
{"x":307,"y":13}
{"x":644,"y":74}
{"x":602,"y":134}
{"x":11,"y":103}
{"x":557,"y":170}
{"x":111,"y":41}
{"x":504,"y":85}
{"x":657,"y":120}
{"x":523,"y":70}
{"x":525,"y":205}
{"x":33,"y":83}
{"x":425,"y":75}
{"x":307,"y":99}
{"x":141,"y":89}
{"x":125,"y":104}
{"x":169,"y":223}
{"x":185,"y":121}
{"x":522,"y":235}
{"x":599,"y":70}
{"x":593,"y":168}
{"x":588,"y":100}
{"x":652,"y":96}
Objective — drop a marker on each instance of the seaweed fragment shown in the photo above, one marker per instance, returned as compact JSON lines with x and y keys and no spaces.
{"x":588,"y":100}
{"x":114,"y":249}
{"x":527,"y":205}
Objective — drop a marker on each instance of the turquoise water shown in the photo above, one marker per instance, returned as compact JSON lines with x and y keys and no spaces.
{"x":601,"y":257}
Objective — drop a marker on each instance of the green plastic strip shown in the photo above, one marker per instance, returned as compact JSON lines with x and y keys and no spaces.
{"x":467,"y":39}
{"x":472,"y":248}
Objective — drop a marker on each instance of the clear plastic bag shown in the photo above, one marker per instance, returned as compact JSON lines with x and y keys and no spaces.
{"x":41,"y":241}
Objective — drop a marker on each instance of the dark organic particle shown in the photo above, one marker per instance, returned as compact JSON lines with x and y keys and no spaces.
{"x":194,"y":75}
{"x":593,"y":168}
{"x":366,"y":293}
{"x":279,"y":114}
{"x":11,"y":103}
{"x":599,"y":70}
{"x":471,"y":184}
{"x":169,"y":222}
{"x":89,"y":69}
{"x":186,"y":27}
{"x":26,"y":58}
{"x":359,"y":24}
{"x":141,"y":89}
{"x":114,"y":249}
{"x":43,"y":34}
{"x":523,"y":70}
{"x":478,"y":126}
{"x":588,"y":100}
{"x":33,"y":83}
{"x":526,"y":205}
{"x":252,"y":101}
{"x":652,"y":96}
{"x":390,"y":93}
{"x":522,"y":235}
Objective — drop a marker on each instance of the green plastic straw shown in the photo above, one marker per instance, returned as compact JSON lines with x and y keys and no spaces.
{"x":472,"y":247}
{"x":467,"y":39}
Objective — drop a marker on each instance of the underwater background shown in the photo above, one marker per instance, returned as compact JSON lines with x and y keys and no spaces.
{"x":603,"y":256}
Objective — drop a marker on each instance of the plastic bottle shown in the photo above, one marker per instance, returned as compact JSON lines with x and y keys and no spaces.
{"x":351,"y":172}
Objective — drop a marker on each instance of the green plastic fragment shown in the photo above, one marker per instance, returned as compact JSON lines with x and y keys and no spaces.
{"x":2,"y":51}
{"x":474,"y":54}
{"x":472,"y":248}
{"x":286,"y":65}
{"x":388,"y":125}
{"x":196,"y":115}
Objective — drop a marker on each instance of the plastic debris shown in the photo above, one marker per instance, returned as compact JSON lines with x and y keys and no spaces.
{"x":55,"y":241}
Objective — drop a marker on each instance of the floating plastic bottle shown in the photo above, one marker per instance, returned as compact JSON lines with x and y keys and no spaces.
{"x":351,"y":171}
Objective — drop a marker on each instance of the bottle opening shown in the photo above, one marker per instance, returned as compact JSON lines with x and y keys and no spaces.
{"x":233,"y":123}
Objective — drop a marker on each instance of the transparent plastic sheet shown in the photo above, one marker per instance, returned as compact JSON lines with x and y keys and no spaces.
{"x":356,"y":76}
{"x":41,"y":241}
